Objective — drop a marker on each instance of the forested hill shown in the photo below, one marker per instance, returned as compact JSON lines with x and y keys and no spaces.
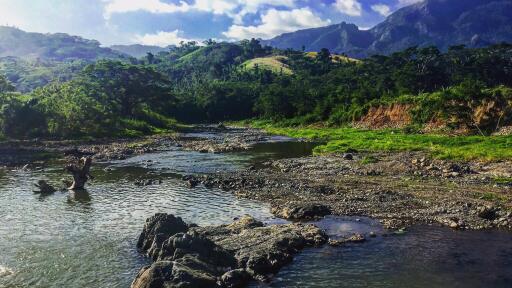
{"x":54,"y":47}
{"x":442,"y":23}
{"x":461,"y":88}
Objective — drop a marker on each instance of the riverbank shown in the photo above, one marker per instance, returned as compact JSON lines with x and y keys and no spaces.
{"x":200,"y":138}
{"x":398,"y":188}
{"x":440,"y":146}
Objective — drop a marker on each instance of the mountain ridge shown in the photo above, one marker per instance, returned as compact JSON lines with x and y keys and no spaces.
{"x":442,"y":23}
{"x":56,"y":47}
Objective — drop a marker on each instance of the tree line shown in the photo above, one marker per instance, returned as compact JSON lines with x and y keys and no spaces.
{"x":193,"y":83}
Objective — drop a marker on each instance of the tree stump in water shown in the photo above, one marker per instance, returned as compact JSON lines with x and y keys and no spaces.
{"x":44,"y":187}
{"x":81,"y":173}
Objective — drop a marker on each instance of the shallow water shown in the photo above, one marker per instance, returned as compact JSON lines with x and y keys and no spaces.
{"x":88,"y":239}
{"x":424,"y":257}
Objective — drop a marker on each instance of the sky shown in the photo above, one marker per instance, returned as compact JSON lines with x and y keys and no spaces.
{"x":168,"y":22}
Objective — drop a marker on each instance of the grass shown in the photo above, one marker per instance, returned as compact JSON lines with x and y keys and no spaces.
{"x":369,"y":160}
{"x":272,"y":63}
{"x":493,"y":197}
{"x":335,"y":58}
{"x":340,"y":140}
{"x":503,"y":180}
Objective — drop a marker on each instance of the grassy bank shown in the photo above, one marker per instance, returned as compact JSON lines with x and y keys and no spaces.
{"x":339,"y":140}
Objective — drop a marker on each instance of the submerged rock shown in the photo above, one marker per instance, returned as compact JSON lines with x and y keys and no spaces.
{"x":356,"y":238}
{"x":218,"y":256}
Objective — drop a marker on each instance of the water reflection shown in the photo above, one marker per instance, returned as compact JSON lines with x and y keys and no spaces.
{"x":87,"y":238}
{"x":423,"y":257}
{"x":79,"y":197}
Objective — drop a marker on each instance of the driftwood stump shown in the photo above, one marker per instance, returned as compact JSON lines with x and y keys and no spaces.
{"x":44,"y":187}
{"x":81,"y":173}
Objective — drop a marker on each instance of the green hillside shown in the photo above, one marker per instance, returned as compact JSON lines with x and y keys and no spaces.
{"x":276,"y":64}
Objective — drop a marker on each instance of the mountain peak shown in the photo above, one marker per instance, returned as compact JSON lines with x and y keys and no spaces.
{"x":442,"y":23}
{"x":58,"y":46}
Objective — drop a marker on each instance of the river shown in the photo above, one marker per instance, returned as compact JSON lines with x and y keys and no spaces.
{"x":87,"y":239}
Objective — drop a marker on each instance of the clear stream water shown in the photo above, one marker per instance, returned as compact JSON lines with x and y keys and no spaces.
{"x":88,"y":239}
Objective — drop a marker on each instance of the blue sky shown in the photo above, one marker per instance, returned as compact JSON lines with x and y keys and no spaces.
{"x":166,"y":22}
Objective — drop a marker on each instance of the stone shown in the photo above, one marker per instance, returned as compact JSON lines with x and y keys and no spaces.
{"x":356,"y":238}
{"x":487,"y":213}
{"x":218,"y":256}
{"x":348,"y":156}
{"x":157,"y":229}
{"x":191,"y":183}
{"x":236,"y":278}
{"x":301,"y":211}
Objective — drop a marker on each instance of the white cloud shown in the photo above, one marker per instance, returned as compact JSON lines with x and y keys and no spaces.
{"x":275,"y":22}
{"x":163,"y":38}
{"x":408,"y":2}
{"x":253,"y":6}
{"x":153,"y":6}
{"x":235,"y":9}
{"x":382,"y":9}
{"x":349,"y":7}
{"x":219,"y":7}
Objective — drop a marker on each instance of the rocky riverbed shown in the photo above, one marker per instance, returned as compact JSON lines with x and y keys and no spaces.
{"x":399,"y":189}
{"x":202,"y":138}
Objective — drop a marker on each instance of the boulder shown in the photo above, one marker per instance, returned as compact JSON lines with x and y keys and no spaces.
{"x":218,"y":256}
{"x":157,"y":230}
{"x":303,"y":211}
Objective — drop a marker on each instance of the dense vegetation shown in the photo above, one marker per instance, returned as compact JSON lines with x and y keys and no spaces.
{"x":227,"y":81}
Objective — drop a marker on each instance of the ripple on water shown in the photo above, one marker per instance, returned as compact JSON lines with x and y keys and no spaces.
{"x":87,"y":239}
{"x":5,"y":271}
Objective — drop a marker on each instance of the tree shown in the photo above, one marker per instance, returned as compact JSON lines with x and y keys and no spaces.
{"x":5,"y":85}
{"x":126,"y":87}
{"x":150,"y":58}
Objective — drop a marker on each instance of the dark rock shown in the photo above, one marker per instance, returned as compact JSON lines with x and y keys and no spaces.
{"x":301,"y":211}
{"x":236,"y":278}
{"x":183,"y":244}
{"x":218,"y":256}
{"x":185,"y":272}
{"x":488,"y":213}
{"x":221,"y":126}
{"x":356,"y":238}
{"x":191,"y":183}
{"x":348,"y":156}
{"x":157,"y":229}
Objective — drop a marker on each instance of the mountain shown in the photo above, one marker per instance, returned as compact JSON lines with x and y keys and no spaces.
{"x":138,"y":50}
{"x":55,"y":47}
{"x":442,"y":23}
{"x":337,"y":38}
